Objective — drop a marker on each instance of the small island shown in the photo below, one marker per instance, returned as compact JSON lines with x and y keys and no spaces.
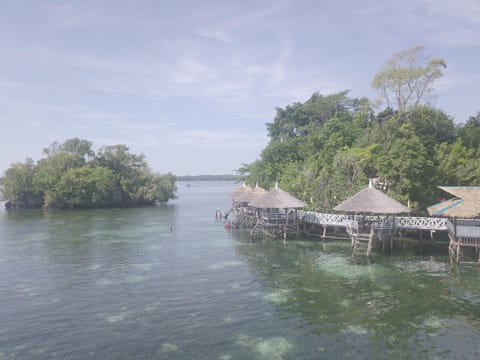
{"x":72,"y":175}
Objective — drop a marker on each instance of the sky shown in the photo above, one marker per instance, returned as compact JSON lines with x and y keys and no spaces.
{"x":191,"y":84}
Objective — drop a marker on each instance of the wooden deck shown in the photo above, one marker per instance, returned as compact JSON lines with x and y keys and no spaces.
{"x":363,"y":228}
{"x":399,"y":222}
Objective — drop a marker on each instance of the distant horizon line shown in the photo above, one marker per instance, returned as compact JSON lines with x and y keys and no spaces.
{"x":206,"y":176}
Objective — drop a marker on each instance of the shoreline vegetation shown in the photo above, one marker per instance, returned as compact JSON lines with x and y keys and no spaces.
{"x":72,"y":176}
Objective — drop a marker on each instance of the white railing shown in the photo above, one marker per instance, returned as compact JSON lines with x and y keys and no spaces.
{"x":325,"y":219}
{"x":402,"y":222}
{"x":422,"y":223}
{"x":352,"y":227}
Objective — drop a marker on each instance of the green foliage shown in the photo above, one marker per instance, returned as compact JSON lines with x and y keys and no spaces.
{"x":73,"y":176}
{"x":49,"y":171}
{"x":18,"y":184}
{"x":76,"y":146}
{"x":299,"y":119}
{"x":325,"y":150}
{"x":458,"y":164}
{"x":407,"y":170}
{"x":432,"y":125}
{"x":470,"y":132}
{"x":85,"y":187}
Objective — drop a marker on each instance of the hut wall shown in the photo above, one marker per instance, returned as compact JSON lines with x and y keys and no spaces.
{"x":468,"y":228}
{"x":467,"y":231}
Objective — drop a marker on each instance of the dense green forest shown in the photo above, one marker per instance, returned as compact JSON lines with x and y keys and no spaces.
{"x":325,"y":149}
{"x":73,"y":176}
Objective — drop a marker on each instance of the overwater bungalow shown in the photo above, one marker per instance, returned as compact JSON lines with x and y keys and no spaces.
{"x":275,"y":212}
{"x":244,"y":213}
{"x":370,"y":201}
{"x":245,"y":194}
{"x":463,"y":213}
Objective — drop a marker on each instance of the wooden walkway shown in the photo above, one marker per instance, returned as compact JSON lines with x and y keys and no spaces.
{"x":382,"y":227}
{"x":400,"y":222}
{"x":463,"y":233}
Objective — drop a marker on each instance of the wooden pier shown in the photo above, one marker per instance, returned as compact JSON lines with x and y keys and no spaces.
{"x":363,"y":230}
{"x":275,"y":214}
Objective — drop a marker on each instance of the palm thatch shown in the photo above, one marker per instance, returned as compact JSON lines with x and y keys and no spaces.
{"x":241,"y":190}
{"x":249,"y":196}
{"x":245,"y":194}
{"x":277,"y":199}
{"x":372,"y":201}
{"x":442,"y":207}
{"x":466,"y":204}
{"x":471,"y":193}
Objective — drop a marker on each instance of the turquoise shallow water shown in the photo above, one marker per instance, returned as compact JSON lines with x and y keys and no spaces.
{"x":169,"y":282}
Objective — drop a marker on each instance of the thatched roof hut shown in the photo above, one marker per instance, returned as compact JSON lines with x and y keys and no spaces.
{"x":245,"y":194}
{"x":242,"y":189}
{"x":372,"y":201}
{"x":277,"y":199}
{"x":466,"y":203}
{"x":255,"y":193}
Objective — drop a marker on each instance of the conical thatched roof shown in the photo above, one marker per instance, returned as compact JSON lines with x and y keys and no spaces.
{"x":241,"y":190}
{"x":372,"y":201}
{"x":277,"y":199}
{"x":249,"y":196}
{"x":245,"y":194}
{"x":466,"y":205}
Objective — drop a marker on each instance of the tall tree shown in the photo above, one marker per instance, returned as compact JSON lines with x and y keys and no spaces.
{"x":301,"y":119}
{"x":406,"y":78}
{"x":78,"y":146}
{"x":433,"y":126}
{"x":408,"y":170}
{"x":18,"y":185}
{"x":470,"y":132}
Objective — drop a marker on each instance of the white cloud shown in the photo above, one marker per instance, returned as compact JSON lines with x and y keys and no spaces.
{"x":221,"y":23}
{"x":188,"y":71}
{"x":458,"y":38}
{"x":146,"y":77}
{"x":454,"y":80}
{"x":217,"y":35}
{"x":467,"y":10}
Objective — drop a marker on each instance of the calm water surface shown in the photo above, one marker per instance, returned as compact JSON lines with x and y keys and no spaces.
{"x":168,"y":282}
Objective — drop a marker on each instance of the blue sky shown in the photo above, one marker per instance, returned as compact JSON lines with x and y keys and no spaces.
{"x":191,"y":84}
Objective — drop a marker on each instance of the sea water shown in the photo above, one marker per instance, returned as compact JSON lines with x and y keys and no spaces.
{"x":170,"y":282}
